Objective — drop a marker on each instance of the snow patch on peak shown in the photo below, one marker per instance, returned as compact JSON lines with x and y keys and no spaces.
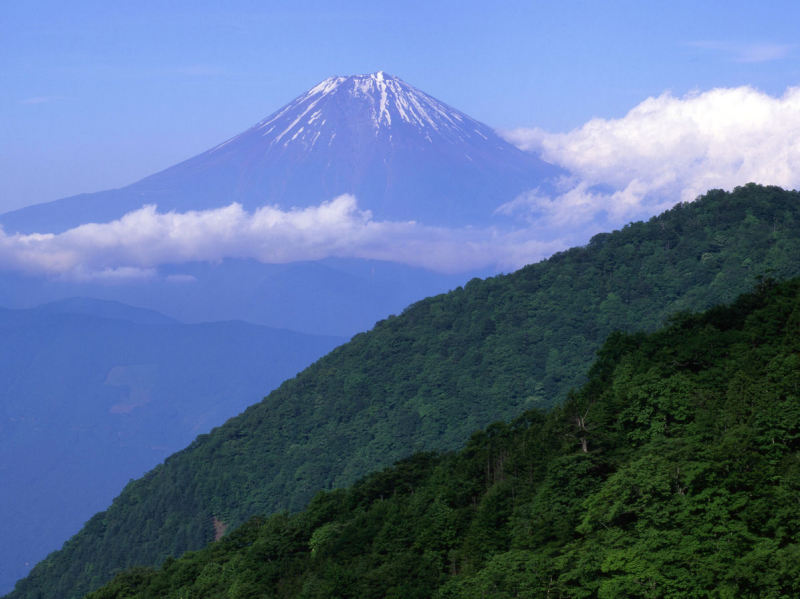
{"x":390,"y":96}
{"x":325,"y":87}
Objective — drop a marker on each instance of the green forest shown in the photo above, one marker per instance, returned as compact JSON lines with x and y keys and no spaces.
{"x":428,"y":378}
{"x":674,"y":471}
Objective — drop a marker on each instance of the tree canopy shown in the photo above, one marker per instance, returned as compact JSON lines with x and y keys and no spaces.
{"x":673,"y":472}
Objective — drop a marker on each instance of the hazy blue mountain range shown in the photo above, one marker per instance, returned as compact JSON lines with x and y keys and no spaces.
{"x":95,"y":393}
{"x":330,"y":297}
{"x":403,"y":153}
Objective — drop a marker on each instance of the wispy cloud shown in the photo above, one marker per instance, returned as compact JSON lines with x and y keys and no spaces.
{"x":136,"y":244}
{"x":668,"y":149}
{"x":748,"y":52}
{"x":198,"y":70}
{"x":42,"y":99}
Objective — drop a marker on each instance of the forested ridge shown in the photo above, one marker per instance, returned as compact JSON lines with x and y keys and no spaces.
{"x":673,"y":472}
{"x":426,"y":379}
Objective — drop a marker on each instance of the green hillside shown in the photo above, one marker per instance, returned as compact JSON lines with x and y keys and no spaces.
{"x":673,"y":472}
{"x":426,"y":379}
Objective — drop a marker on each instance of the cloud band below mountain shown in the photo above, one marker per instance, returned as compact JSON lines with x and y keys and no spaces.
{"x":136,"y":244}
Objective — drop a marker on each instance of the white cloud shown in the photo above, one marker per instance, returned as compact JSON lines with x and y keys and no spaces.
{"x":136,"y":244}
{"x":669,"y":149}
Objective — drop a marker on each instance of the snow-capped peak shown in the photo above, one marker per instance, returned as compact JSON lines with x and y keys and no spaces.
{"x":378,"y":101}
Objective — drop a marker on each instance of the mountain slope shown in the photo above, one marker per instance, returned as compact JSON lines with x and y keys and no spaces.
{"x":429,"y":377}
{"x":687,"y":488}
{"x":403,"y":153}
{"x":97,"y":393}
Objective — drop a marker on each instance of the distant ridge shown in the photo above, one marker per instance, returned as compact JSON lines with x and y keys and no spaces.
{"x":104,"y":309}
{"x":96,"y":393}
{"x":404,"y":154}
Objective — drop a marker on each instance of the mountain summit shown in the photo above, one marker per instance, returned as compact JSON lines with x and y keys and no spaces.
{"x":388,"y":101}
{"x":376,"y":105}
{"x":404,"y":155}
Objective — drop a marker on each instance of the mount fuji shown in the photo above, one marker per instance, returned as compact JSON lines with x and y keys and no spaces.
{"x":404,"y":154}
{"x":405,"y":157}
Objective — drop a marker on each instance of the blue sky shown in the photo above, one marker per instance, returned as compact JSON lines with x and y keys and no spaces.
{"x":98,"y":94}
